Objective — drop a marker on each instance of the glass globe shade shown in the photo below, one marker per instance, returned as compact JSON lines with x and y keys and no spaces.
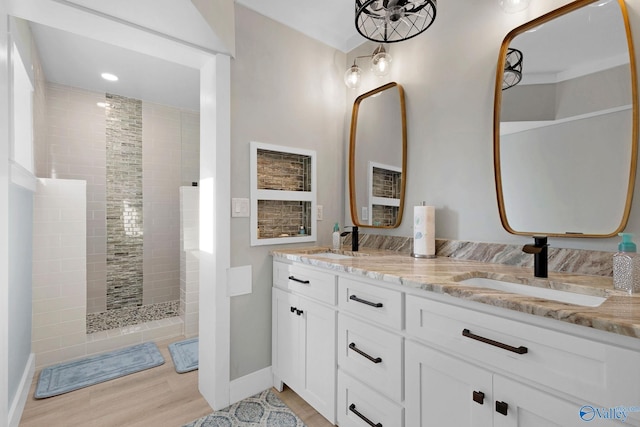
{"x":352,"y":77}
{"x":381,"y":64}
{"x":514,"y":6}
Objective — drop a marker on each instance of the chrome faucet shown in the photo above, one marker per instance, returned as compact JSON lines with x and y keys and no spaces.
{"x":354,"y":237}
{"x":540,"y":255}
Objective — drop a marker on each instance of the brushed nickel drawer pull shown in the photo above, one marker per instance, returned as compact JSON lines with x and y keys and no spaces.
{"x":518,"y":350}
{"x":353,"y":347}
{"x":363,"y":301}
{"x":306,"y":282}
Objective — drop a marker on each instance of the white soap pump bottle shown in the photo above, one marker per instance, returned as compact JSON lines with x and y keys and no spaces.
{"x":626,"y":266}
{"x":336,"y":236}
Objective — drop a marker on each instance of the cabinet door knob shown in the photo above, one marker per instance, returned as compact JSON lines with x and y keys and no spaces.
{"x":478,"y":397}
{"x":293,"y":309}
{"x":299,"y":312}
{"x":502,"y":407}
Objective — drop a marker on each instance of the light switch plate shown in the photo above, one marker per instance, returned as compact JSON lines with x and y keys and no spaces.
{"x":365,"y":213}
{"x":239,"y":208}
{"x":319,"y":213}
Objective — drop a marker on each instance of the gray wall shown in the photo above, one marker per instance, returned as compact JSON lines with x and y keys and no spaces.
{"x":448,"y":75}
{"x":286,"y":89}
{"x":20,"y":245}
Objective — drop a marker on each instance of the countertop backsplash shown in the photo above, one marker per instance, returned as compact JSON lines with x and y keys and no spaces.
{"x":578,"y":261}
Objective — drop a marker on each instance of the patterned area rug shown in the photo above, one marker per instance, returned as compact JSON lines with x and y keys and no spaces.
{"x":264,"y":409}
{"x":185,"y":355}
{"x":69,"y":376}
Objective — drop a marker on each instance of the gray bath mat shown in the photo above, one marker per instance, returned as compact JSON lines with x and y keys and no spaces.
{"x":264,"y":409}
{"x":69,"y":376}
{"x":185,"y":355}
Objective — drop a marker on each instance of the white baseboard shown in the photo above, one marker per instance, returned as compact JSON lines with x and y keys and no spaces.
{"x":20,"y":399}
{"x":250,"y":385}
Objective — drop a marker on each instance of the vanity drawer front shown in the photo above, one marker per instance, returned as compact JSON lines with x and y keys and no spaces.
{"x":357,"y":402}
{"x":371,"y":302}
{"x":371,"y":354}
{"x":281,"y":275}
{"x":313,"y":283}
{"x":578,"y":366}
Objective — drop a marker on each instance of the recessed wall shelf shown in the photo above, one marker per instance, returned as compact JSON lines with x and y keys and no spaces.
{"x":283,"y":195}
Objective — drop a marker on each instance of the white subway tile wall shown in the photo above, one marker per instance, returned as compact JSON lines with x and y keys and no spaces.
{"x":75,"y":148}
{"x":189,"y":262}
{"x":59,"y":270}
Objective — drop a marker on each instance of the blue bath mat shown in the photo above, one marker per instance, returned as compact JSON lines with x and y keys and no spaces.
{"x":69,"y":376}
{"x":185,"y":355}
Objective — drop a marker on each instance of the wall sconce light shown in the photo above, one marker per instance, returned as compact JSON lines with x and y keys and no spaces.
{"x":512,"y":69}
{"x":514,"y":6}
{"x":380,"y":66}
{"x":391,"y":21}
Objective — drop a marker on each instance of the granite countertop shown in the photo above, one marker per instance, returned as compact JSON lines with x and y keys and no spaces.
{"x":619,"y":314}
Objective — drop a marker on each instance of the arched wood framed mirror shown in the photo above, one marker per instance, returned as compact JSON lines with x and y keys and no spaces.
{"x":566,"y":122}
{"x":378,"y":157}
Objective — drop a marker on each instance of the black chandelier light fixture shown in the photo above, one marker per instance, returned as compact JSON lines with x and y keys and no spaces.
{"x":392,"y":21}
{"x":512,"y":68}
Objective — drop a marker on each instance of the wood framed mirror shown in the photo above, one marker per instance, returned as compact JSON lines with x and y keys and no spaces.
{"x":566,"y":122}
{"x":378,"y":157}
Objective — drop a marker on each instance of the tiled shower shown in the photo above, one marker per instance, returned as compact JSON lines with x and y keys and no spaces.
{"x":134,"y":156}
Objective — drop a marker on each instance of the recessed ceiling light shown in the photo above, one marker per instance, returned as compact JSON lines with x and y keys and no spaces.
{"x":103,"y":104}
{"x":110,"y":77}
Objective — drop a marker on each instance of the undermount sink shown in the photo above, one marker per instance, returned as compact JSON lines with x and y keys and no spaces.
{"x":534,"y":291}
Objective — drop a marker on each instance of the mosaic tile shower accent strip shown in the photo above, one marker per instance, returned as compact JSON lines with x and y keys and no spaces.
{"x":124,"y":202}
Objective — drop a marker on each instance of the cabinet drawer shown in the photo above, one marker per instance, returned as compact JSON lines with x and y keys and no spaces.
{"x":371,"y":302}
{"x":313,"y":283}
{"x":358,"y":403}
{"x":281,"y":275}
{"x":372,"y":355}
{"x":588,"y":369}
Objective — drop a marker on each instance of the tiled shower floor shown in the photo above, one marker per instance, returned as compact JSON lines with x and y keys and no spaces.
{"x":121,"y":317}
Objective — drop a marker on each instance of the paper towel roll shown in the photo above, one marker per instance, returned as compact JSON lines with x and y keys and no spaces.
{"x":424,"y":230}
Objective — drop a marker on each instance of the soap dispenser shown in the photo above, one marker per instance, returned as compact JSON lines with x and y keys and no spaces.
{"x":336,"y":236}
{"x":626,"y":266}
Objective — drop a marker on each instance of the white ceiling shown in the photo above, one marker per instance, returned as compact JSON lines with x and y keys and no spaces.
{"x":77,"y":61}
{"x":330,"y":21}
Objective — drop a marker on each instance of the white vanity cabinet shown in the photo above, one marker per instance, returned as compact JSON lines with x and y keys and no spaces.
{"x":304,"y":335}
{"x":370,"y":349}
{"x":444,"y":390}
{"x":478,"y":369}
{"x":364,"y":352}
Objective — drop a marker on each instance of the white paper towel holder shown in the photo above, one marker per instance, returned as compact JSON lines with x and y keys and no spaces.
{"x":415,"y":255}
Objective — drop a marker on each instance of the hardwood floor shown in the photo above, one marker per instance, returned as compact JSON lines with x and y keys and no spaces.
{"x":157,"y":397}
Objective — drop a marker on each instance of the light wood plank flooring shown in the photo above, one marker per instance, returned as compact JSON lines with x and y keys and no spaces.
{"x":157,"y":397}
